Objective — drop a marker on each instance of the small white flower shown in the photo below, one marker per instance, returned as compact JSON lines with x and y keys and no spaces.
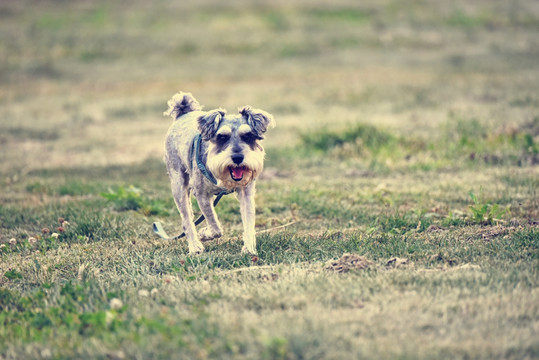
{"x":2,"y":246}
{"x":32,"y":240}
{"x":154,"y":292}
{"x":12,"y":241}
{"x":46,"y":353}
{"x":143,"y":293}
{"x":65,"y":224}
{"x":116,"y":303}
{"x":54,"y":235}
{"x":109,"y":317}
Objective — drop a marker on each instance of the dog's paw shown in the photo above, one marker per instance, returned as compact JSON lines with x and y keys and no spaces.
{"x":248,"y":250}
{"x":196,"y":248}
{"x":207,"y":234}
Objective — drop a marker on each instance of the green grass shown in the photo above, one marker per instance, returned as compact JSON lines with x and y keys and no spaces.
{"x":406,"y":134}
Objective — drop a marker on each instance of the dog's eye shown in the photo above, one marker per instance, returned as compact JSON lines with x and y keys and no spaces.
{"x":250,"y":138}
{"x":222,"y":138}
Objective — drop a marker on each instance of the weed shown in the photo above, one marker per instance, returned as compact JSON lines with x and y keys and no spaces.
{"x":484,"y":212}
{"x":13,"y":274}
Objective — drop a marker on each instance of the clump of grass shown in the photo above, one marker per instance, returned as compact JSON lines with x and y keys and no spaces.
{"x":463,"y":135}
{"x":62,"y":187}
{"x":345,"y":15}
{"x":84,"y":226}
{"x":470,"y":138}
{"x":40,"y":243}
{"x":356,"y":140}
{"x":96,"y":226}
{"x":460,"y":19}
{"x":131,"y":198}
{"x":463,"y":141}
{"x":124,"y":199}
{"x":21,"y":133}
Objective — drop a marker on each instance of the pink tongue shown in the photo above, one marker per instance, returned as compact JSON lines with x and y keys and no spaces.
{"x":237,"y":172}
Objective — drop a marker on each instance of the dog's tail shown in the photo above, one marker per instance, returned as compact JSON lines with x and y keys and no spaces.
{"x":181,"y":103}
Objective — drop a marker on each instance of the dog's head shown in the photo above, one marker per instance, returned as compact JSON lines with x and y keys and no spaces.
{"x":235,"y":152}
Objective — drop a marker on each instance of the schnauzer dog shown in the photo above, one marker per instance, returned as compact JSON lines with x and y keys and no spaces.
{"x":211,"y":153}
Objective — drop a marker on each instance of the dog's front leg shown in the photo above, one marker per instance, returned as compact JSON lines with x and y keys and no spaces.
{"x":205,"y":202}
{"x":182,"y":199}
{"x":246,"y":196}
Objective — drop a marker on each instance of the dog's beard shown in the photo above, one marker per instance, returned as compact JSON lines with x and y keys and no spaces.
{"x":230,"y":175}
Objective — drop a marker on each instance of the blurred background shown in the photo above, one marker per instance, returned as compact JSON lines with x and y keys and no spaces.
{"x":84,"y":83}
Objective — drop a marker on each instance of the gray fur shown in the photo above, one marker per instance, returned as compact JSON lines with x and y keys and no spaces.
{"x":180,"y":104}
{"x":222,"y":141}
{"x":259,"y":120}
{"x":209,"y":123}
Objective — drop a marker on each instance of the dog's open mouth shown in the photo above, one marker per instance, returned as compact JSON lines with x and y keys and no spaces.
{"x":236,"y":172}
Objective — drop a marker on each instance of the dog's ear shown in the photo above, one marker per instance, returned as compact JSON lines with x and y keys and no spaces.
{"x":181,"y":103}
{"x":258,"y":120}
{"x":209,"y":123}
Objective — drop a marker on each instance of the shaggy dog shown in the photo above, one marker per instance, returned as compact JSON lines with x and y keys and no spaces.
{"x":211,"y":153}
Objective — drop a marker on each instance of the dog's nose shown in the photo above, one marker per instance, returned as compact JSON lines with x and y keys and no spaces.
{"x":237,"y":158}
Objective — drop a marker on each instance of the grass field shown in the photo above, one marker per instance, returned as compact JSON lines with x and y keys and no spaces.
{"x":404,"y":165}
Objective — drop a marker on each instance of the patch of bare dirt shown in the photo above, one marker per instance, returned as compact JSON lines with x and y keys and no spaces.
{"x":349,"y":262}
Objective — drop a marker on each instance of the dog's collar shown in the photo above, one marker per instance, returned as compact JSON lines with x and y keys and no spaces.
{"x":195,"y":152}
{"x":197,"y":142}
